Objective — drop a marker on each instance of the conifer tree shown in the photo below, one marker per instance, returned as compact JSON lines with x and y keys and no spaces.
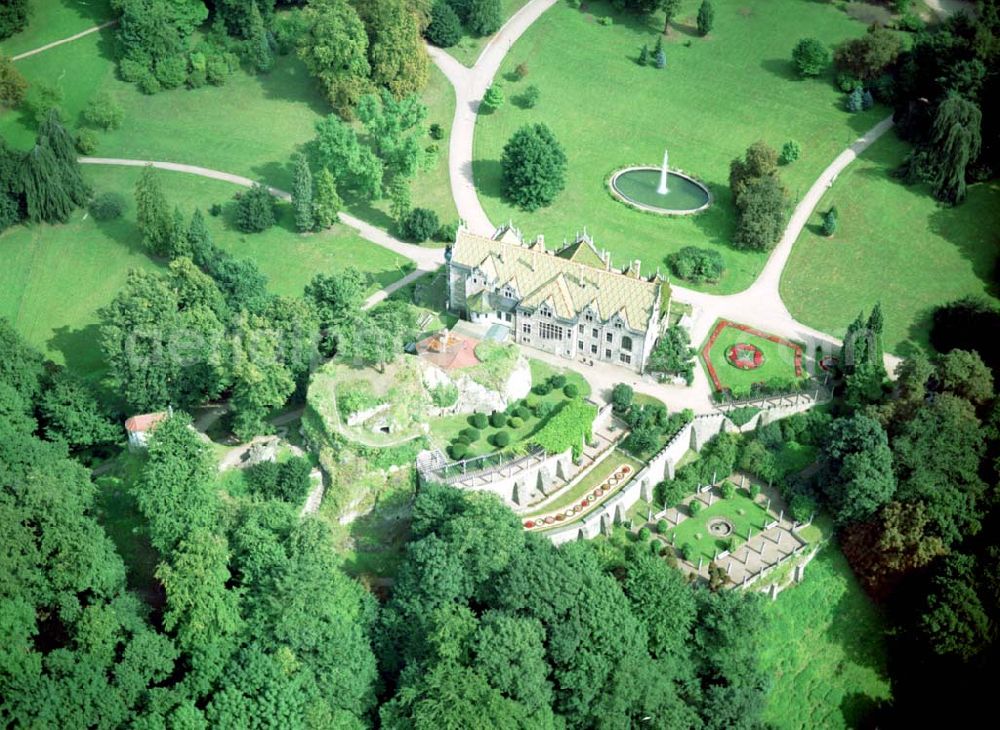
{"x":399,"y":196}
{"x":258,"y":45}
{"x":151,"y":212}
{"x":302,"y":195}
{"x":199,"y":240}
{"x":326,"y":200}
{"x":706,"y":18}
{"x":177,"y":240}
{"x":644,"y":55}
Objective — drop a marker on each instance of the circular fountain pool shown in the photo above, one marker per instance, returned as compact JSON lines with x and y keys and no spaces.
{"x":637,"y":186}
{"x":720,"y":527}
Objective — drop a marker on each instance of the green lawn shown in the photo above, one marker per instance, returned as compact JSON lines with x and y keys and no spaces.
{"x":793,"y":457}
{"x":594,"y":478}
{"x":251,"y":126}
{"x":895,"y":245}
{"x":467,"y":50}
{"x":55,"y":278}
{"x":824,"y":650}
{"x":743,"y":512}
{"x":541,"y":371}
{"x":715,"y":97}
{"x":779,"y":360}
{"x":51,"y":20}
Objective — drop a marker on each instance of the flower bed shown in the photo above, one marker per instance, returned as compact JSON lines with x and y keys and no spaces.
{"x":745,"y":356}
{"x":721,"y":325}
{"x":618,"y":479}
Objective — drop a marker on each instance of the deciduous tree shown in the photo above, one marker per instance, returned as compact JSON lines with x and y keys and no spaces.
{"x":533,"y":167}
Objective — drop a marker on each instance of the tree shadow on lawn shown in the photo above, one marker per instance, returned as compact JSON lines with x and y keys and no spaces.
{"x":106,"y":45}
{"x":290,"y":81}
{"x":276,"y":174}
{"x":80,"y":348}
{"x":487,"y":175}
{"x":951,"y":224}
{"x":859,"y":710}
{"x":366,"y":211}
{"x":848,"y":619}
{"x":781,"y":67}
{"x":716,"y":223}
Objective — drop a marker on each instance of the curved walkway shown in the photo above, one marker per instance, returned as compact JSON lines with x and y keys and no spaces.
{"x":470,"y":84}
{"x":59,"y":42}
{"x":426,"y":259}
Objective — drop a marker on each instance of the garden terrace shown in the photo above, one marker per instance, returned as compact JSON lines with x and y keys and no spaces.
{"x":738,"y":357}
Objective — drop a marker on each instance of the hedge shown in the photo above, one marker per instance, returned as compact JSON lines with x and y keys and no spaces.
{"x":569,"y":427}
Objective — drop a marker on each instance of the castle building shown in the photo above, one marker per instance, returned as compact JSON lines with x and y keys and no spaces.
{"x":570,"y":302}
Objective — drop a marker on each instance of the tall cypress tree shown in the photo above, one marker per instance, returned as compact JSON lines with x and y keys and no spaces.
{"x":327,"y":203}
{"x":200,"y":241}
{"x":258,"y":45}
{"x":39,"y":179}
{"x":53,"y":135}
{"x":152,"y":212}
{"x":302,"y":195}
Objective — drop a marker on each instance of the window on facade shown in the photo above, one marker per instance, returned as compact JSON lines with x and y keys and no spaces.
{"x":627,"y":343}
{"x":594,"y":333}
{"x":550,"y":331}
{"x":626,"y":358}
{"x":589,"y":317}
{"x":581,"y":329}
{"x":607,"y":354}
{"x":618,"y":324}
{"x":499,"y":314}
{"x":593,"y":349}
{"x":507,"y":316}
{"x":526,"y":328}
{"x":579,"y":344}
{"x":609,"y":337}
{"x":545,"y":312}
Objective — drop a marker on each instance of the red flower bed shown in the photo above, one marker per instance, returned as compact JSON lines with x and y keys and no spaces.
{"x":722,"y":324}
{"x":745,"y":356}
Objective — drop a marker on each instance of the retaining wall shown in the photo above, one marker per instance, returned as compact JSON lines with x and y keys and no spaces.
{"x":662,"y":466}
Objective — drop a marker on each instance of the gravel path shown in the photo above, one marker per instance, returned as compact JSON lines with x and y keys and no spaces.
{"x":70,"y":39}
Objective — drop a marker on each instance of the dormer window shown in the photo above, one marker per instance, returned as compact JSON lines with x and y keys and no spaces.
{"x":618,"y":324}
{"x":589,"y":316}
{"x":545,"y":311}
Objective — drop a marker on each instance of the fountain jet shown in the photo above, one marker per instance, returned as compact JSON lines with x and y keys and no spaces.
{"x":662,"y":189}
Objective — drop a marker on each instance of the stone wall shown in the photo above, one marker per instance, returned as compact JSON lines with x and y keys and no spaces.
{"x":662,"y":466}
{"x":524,"y":481}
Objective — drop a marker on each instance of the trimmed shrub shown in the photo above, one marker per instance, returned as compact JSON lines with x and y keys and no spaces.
{"x":515,"y":422}
{"x":621,"y":397}
{"x":478,"y":421}
{"x":695,"y":506}
{"x":802,"y":507}
{"x":655,"y":547}
{"x":522,"y":412}
{"x":498,"y":419}
{"x":790,"y":152}
{"x":557,"y":381}
{"x":662,"y":526}
{"x":458,"y":450}
{"x":542,"y":388}
{"x":644,"y":534}
{"x":688,"y":551}
{"x":436,"y":131}
{"x":461,"y":439}
{"x":830,"y":222}
{"x":445,"y":28}
{"x":571,"y":390}
{"x":255,"y":210}
{"x":471,"y":435}
{"x":753,"y":490}
{"x":419,"y":224}
{"x":86,"y":142}
{"x":107,"y":206}
{"x":697,"y":265}
{"x":810,"y":57}
{"x":501,"y":439}
{"x":543,"y":409}
{"x":727,"y":489}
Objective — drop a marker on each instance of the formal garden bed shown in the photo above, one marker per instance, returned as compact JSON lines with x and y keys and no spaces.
{"x":742,"y":361}
{"x":601,"y":483}
{"x":696,"y":539}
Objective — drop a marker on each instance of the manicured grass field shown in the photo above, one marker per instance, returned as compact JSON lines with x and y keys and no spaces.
{"x":824,"y":650}
{"x":779,"y":360}
{"x":51,"y":20}
{"x":594,"y":478}
{"x":446,"y":428}
{"x":741,"y":511}
{"x":55,"y":278}
{"x":251,"y":126}
{"x":894,"y":244}
{"x":467,"y":50}
{"x":715,"y":97}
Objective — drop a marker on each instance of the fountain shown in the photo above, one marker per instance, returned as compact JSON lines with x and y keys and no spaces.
{"x":660,"y":189}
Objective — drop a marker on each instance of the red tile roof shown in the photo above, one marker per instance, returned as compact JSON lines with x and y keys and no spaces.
{"x":144,"y":422}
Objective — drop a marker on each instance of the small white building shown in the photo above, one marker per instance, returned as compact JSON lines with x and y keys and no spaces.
{"x":139,"y":427}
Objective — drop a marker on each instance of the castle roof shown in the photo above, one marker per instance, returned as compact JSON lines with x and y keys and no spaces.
{"x":569,"y":284}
